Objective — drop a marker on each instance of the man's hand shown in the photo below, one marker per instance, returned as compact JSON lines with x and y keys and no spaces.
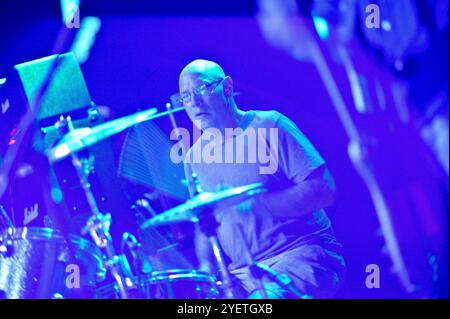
{"x":246,"y":206}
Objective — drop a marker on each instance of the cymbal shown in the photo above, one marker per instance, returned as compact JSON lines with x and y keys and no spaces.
{"x":80,"y":138}
{"x":193,"y":208}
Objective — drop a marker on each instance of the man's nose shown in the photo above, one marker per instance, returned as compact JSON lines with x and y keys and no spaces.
{"x":197,"y":100}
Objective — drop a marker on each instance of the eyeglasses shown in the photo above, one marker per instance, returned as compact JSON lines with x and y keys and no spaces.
{"x":204,"y":89}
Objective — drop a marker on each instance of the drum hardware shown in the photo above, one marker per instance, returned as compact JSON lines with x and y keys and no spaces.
{"x":160,"y":238}
{"x":255,"y":272}
{"x":99,"y":223}
{"x":200,"y":209}
{"x":190,"y":210}
{"x":5,"y":221}
{"x":168,"y":284}
{"x":6,"y":244}
{"x":135,"y":273}
{"x":98,"y":228}
{"x":129,"y":241}
{"x":75,"y":140}
{"x":144,"y":203}
{"x":170,"y":109}
{"x":132,"y":243}
{"x":182,"y":283}
{"x":162,"y":248}
{"x":208,"y":226}
{"x":37,"y":268}
{"x":80,"y":138}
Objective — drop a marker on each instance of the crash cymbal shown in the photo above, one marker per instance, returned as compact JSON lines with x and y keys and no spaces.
{"x":80,"y":138}
{"x":204,"y":203}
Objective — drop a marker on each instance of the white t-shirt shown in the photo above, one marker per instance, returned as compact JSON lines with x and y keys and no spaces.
{"x":267,"y":233}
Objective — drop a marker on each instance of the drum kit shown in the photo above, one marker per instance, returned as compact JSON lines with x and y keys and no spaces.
{"x":50,"y":263}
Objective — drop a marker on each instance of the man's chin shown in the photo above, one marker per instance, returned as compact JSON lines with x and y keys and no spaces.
{"x":206,"y":124}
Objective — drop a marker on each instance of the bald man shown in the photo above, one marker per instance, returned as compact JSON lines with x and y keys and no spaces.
{"x":286,"y":228}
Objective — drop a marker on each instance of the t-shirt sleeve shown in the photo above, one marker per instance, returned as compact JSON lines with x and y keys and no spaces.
{"x":298,"y":158}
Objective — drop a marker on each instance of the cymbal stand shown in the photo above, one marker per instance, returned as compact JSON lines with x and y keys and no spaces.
{"x":98,"y":224}
{"x":255,"y":272}
{"x":208,"y":226}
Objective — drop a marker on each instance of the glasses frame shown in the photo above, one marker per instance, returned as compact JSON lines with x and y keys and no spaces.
{"x":206,"y":88}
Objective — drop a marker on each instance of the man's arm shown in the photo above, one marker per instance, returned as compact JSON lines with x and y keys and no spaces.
{"x":314,"y":193}
{"x":313,"y":187}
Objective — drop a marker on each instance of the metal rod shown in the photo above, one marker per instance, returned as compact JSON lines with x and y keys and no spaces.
{"x":251,"y":263}
{"x":226,"y":279}
{"x":96,"y":223}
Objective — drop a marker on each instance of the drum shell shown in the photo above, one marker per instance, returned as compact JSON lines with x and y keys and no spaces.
{"x":168,"y":284}
{"x":38,"y":266}
{"x":181,"y":284}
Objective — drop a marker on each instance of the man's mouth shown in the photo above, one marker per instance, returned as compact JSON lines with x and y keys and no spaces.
{"x":201,"y":114}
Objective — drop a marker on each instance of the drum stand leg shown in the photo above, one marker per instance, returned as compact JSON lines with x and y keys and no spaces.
{"x":98,"y":224}
{"x":208,"y":225}
{"x":255,"y":272}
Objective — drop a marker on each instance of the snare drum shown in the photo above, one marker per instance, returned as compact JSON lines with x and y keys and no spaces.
{"x":169,"y":284}
{"x":181,"y":284}
{"x":34,"y":263}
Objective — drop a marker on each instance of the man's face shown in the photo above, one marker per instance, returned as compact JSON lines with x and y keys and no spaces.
{"x":209,"y":108}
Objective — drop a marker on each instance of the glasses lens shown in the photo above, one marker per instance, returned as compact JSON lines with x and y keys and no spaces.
{"x":201,"y":90}
{"x":184,"y":98}
{"x":175,"y":99}
{"x":209,"y":88}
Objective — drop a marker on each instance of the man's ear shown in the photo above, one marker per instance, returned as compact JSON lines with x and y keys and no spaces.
{"x":228,"y":86}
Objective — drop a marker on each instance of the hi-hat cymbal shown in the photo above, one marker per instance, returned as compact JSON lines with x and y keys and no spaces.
{"x":193,"y":208}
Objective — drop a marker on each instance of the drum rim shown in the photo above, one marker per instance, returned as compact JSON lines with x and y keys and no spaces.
{"x":180,"y":273}
{"x":54,"y":235}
